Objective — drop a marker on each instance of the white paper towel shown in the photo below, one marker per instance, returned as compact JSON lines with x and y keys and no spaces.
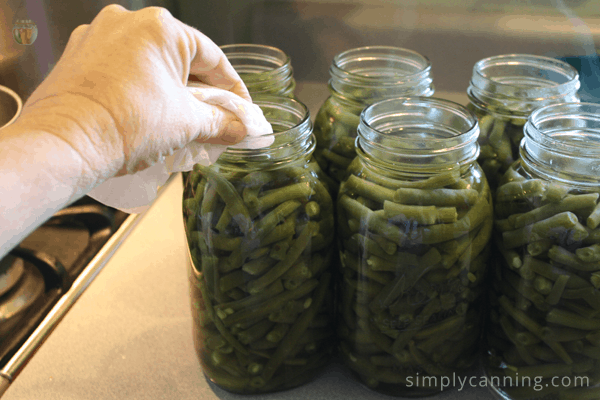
{"x":134,"y":193}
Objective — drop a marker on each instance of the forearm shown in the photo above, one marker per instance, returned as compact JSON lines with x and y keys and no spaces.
{"x":39,"y":174}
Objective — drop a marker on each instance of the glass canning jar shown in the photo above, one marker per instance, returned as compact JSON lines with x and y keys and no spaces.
{"x":264,"y":69}
{"x":414,"y":223}
{"x":544,"y":328}
{"x":259,"y":226}
{"x":361,"y":77}
{"x":503,"y":91}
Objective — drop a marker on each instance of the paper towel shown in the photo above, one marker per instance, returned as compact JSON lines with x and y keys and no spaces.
{"x":134,"y":193}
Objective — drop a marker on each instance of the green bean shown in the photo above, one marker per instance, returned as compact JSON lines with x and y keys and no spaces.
{"x":500,"y":142}
{"x":440,"y":180}
{"x":289,"y":312}
{"x":577,"y":204}
{"x":565,"y":257}
{"x":520,"y":190}
{"x":439,"y":333}
{"x":300,"y":190}
{"x":377,"y":224}
{"x":338,"y":159}
{"x":279,"y":249}
{"x":589,"y":254}
{"x":297,"y":329}
{"x":534,"y":328}
{"x":442,"y":232}
{"x":553,"y":273}
{"x":281,"y":267}
{"x":557,"y":290}
{"x":550,"y":228}
{"x":512,"y":335}
{"x":227,"y":191}
{"x":231,"y":281}
{"x":279,"y":214}
{"x":565,"y":318}
{"x":588,"y":294}
{"x":271,"y":305}
{"x":404,"y":337}
{"x":437,"y":197}
{"x":425,"y":215}
{"x":258,"y":266}
{"x":593,"y":220}
{"x":255,"y":332}
{"x":562,"y":334}
{"x":368,"y":189}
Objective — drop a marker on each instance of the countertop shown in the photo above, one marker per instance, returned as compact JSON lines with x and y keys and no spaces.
{"x":129,"y":336}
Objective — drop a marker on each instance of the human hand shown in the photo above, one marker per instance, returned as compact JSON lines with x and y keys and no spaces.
{"x":118,"y":95}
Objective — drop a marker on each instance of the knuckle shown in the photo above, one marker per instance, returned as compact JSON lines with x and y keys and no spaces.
{"x":156,"y":14}
{"x":112,"y":8}
{"x":79,"y":30}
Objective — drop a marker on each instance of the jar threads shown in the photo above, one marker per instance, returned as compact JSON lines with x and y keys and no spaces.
{"x":503,"y":91}
{"x":360,"y":77}
{"x":542,"y":322}
{"x":264,"y":69}
{"x":414,"y":224}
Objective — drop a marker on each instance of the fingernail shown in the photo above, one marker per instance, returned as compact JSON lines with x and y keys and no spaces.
{"x":234,"y":133}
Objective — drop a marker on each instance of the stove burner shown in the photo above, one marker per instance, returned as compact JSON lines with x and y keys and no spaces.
{"x":35,"y":275}
{"x":11,"y":270}
{"x":26,"y":291}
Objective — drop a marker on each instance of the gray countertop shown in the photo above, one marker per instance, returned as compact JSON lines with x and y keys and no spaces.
{"x":129,"y":336}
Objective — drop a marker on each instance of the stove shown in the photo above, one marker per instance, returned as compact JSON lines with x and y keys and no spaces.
{"x":41,"y":279}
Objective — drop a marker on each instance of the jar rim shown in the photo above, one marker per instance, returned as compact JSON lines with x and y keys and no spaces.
{"x":286,"y":142}
{"x":542,"y":125}
{"x":562,"y":141}
{"x":417,"y":66}
{"x":471,"y":131}
{"x":436,"y":133}
{"x":565,"y":77}
{"x":258,"y":52}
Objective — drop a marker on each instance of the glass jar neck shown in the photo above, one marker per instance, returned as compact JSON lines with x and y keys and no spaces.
{"x":368,"y":74}
{"x":264,"y":69}
{"x":562,"y":143}
{"x":417,"y":136}
{"x":516,"y":84}
{"x":292,"y":138}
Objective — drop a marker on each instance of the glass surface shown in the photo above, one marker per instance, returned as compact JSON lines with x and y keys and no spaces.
{"x":264,"y":69}
{"x":360,"y":77}
{"x":414,"y":245}
{"x":544,"y":310}
{"x":503,"y":91}
{"x":259,"y":225}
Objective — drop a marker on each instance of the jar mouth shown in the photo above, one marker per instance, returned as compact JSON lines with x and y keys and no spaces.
{"x":521,"y":82}
{"x":256,"y":58}
{"x":383,"y":68}
{"x":424,"y":132}
{"x":562,"y":141}
{"x":292,"y":132}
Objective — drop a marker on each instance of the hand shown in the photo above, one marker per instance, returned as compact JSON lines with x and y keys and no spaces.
{"x":118,"y":95}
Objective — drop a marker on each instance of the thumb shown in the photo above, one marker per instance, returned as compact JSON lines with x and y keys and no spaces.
{"x":212,"y":123}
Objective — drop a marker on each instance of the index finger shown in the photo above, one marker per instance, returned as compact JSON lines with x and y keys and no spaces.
{"x":211,"y":66}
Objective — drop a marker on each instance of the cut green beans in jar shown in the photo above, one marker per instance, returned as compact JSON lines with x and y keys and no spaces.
{"x":545,"y":303}
{"x":259,"y":225}
{"x":264,"y":69}
{"x":503,"y":92}
{"x":361,"y":77}
{"x":414,"y":229}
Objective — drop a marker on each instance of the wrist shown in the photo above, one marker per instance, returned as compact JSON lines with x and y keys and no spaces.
{"x":78,"y":131}
{"x":40,"y":174}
